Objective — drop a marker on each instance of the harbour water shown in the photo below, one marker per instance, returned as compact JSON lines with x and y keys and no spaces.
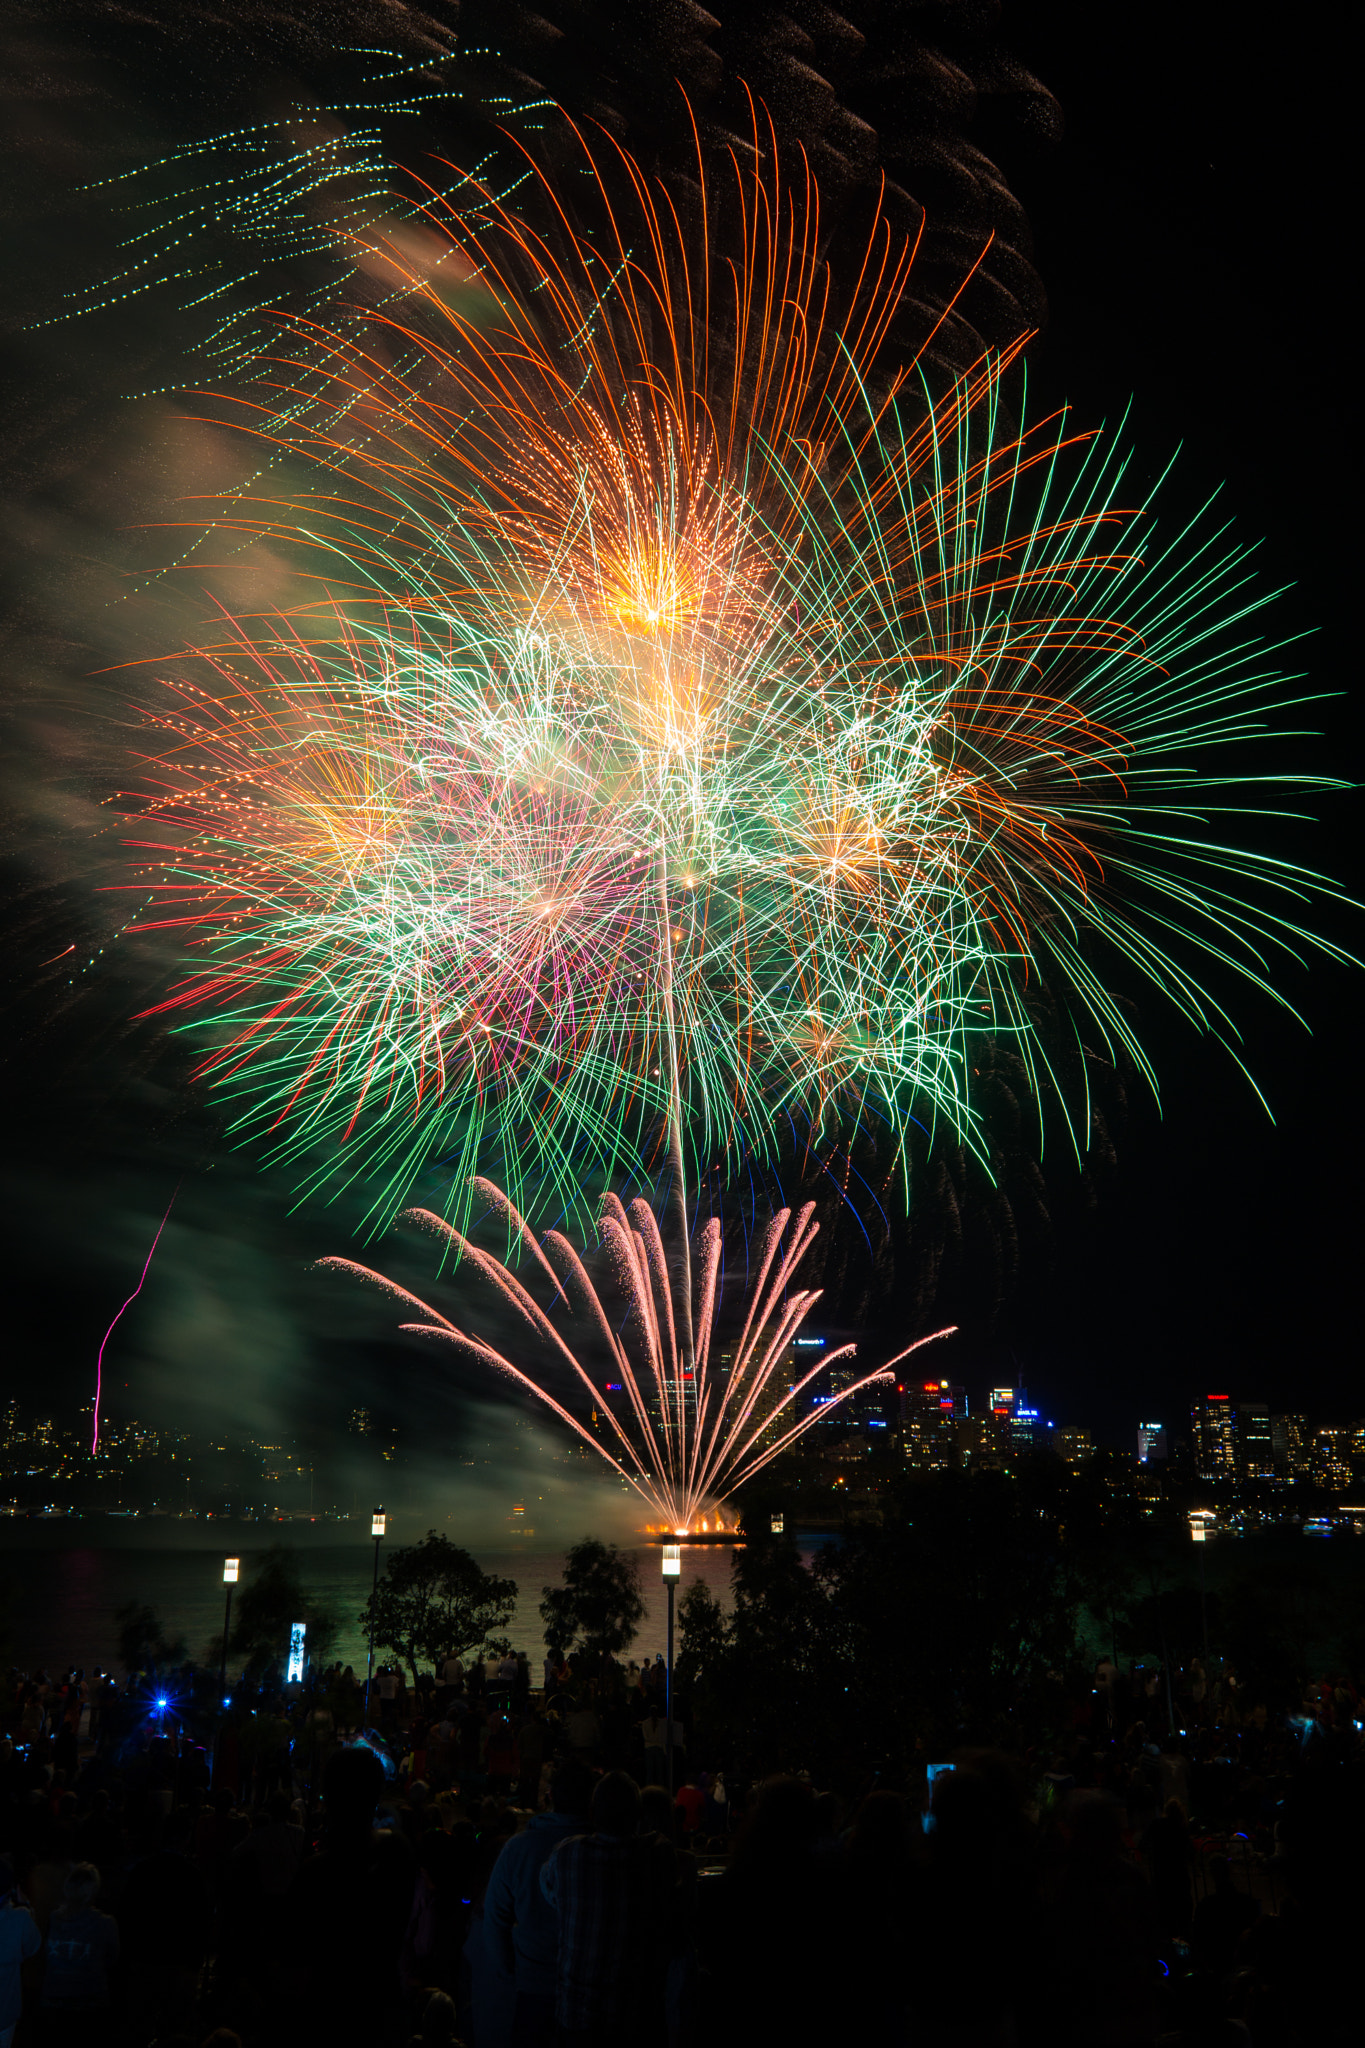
{"x":59,"y":1595}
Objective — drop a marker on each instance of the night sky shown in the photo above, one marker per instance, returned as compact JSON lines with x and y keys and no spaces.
{"x":1191,"y":237}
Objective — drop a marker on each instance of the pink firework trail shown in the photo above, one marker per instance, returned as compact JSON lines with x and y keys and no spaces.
{"x":99,"y":1362}
{"x":691,"y":1432}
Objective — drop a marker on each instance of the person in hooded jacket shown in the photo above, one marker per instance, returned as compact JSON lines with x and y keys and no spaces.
{"x":521,"y":1927}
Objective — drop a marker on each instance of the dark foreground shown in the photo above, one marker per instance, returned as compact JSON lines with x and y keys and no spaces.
{"x":496,"y":1865}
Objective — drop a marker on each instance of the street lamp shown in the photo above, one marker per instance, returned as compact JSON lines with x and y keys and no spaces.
{"x":1199,"y":1533}
{"x":672,"y":1572}
{"x":232,"y":1568}
{"x":778,"y":1523}
{"x":377,"y":1521}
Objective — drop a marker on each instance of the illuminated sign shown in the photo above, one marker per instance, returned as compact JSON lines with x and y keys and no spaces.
{"x":613,"y":1386}
{"x":294,"y":1675}
{"x":810,"y":1344}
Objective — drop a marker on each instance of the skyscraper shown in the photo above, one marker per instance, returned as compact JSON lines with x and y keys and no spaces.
{"x":1215,"y":1437}
{"x":1255,"y":1441}
{"x":1151,"y":1442}
{"x":928,"y":1413}
{"x":1289,"y":1444}
{"x":777,"y":1420}
{"x":1331,"y":1458}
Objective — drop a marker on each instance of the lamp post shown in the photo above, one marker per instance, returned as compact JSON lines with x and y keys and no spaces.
{"x":377,"y":1521}
{"x":232,"y":1571}
{"x":232,"y":1567}
{"x":672,"y":1572}
{"x":1199,"y":1533}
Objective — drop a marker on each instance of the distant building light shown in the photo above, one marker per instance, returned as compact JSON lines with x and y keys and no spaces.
{"x":875,"y":1422}
{"x":613,"y":1386}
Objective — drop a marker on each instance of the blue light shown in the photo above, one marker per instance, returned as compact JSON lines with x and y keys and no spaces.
{"x":873,"y":1422}
{"x":227,"y":1703}
{"x":162,"y":1705}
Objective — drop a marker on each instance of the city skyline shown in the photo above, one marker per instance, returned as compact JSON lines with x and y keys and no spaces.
{"x":929,"y":1426}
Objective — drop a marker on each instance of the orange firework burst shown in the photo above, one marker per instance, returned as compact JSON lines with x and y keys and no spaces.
{"x":681,"y":722}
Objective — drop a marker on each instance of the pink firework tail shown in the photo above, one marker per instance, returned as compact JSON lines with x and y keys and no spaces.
{"x":104,"y":1341}
{"x":691,"y":1435}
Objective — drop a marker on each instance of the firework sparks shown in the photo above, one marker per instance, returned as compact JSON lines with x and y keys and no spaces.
{"x":684,"y":723}
{"x":692,"y":1427}
{"x":104,"y":1341}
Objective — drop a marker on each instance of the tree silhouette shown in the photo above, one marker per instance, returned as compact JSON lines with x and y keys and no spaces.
{"x":435,"y":1602}
{"x":267,"y":1606}
{"x":597,"y":1611}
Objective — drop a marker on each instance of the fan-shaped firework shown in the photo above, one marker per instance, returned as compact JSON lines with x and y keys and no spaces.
{"x":692,"y":1426}
{"x":680,"y":729}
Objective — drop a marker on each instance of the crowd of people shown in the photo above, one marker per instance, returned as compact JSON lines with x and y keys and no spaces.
{"x":476,"y":1857}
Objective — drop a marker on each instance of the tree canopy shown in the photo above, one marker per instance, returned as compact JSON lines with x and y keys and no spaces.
{"x":597,"y":1611}
{"x":143,"y":1644}
{"x":434,"y":1602}
{"x":268,"y":1603}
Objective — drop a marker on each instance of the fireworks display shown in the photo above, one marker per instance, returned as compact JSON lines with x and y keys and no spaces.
{"x":117,"y":1319}
{"x":678,"y":725}
{"x":692,"y":1424}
